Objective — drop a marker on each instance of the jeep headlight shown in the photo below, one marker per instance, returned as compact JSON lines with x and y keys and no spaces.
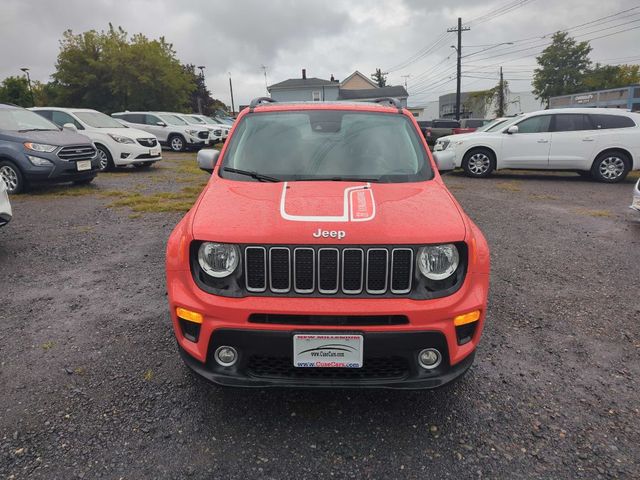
{"x":438,"y":262}
{"x":218,"y":260}
{"x":39,"y":147}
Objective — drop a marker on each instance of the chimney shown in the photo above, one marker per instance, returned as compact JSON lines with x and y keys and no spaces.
{"x":304,"y":73}
{"x":333,"y":78}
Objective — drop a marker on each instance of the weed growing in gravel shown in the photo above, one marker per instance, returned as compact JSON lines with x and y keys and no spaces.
{"x":509,"y":186}
{"x":542,"y":196}
{"x":48,"y":345}
{"x":159,"y":202}
{"x":594,"y":213}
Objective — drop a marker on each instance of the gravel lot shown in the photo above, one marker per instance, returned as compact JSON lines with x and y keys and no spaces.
{"x":91,"y":384}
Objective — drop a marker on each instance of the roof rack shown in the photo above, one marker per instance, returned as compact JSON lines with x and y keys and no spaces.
{"x":257,"y":101}
{"x":394,"y":102}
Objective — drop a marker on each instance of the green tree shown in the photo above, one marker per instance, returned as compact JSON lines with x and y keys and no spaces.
{"x":379,"y":77}
{"x":481,"y":101}
{"x":109,"y":71}
{"x":15,"y":90}
{"x":611,"y":76}
{"x":562,"y":67}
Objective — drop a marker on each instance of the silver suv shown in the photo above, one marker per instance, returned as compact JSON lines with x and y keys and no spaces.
{"x":170,"y":129}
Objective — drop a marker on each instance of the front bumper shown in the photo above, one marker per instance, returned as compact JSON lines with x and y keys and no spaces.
{"x":635,"y":204}
{"x":390,"y":361}
{"x":132,"y":154}
{"x":61,"y":170}
{"x":226,"y":319}
{"x":5,"y":208}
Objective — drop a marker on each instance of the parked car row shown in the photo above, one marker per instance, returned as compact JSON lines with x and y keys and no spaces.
{"x":56,"y":145}
{"x":597,"y":142}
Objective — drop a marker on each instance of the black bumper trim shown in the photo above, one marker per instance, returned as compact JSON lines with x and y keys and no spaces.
{"x":404,"y":345}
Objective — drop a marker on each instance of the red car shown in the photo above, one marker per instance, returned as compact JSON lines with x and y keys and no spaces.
{"x":327,"y":251}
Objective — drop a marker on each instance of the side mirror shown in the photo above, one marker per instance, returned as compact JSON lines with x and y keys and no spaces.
{"x":161,"y":124}
{"x":207,"y":159}
{"x":512,"y":129}
{"x":444,"y":161}
{"x":70,"y":127}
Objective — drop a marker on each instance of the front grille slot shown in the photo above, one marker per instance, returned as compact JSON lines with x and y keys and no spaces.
{"x":147,"y":142}
{"x":328,"y":320}
{"x":77,"y":153}
{"x":308,"y":270}
{"x":279,"y":269}
{"x":203,"y":135}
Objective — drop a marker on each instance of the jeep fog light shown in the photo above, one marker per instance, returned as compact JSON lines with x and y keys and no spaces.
{"x":218,"y":260}
{"x":438,"y":262}
{"x":429,"y":358}
{"x":226,"y":356}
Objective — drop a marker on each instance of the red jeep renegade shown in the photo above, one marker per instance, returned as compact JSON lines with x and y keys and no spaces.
{"x":326,"y":251}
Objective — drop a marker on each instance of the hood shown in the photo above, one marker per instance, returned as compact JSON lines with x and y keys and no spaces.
{"x":327,"y":213}
{"x":50,"y":137}
{"x":133,"y":133}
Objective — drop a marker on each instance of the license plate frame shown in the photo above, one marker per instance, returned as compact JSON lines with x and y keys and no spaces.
{"x":83,"y":165}
{"x":328,"y":350}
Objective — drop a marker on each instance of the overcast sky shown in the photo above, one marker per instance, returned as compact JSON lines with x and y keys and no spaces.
{"x":329,"y":37}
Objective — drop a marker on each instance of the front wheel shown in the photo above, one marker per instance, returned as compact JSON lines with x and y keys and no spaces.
{"x":177,"y":143}
{"x":12,"y":177}
{"x":478,"y":163}
{"x":610,"y":167}
{"x":105,"y":159}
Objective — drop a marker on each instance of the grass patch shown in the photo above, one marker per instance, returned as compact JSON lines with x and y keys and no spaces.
{"x":594,"y":213}
{"x":84,"y":228}
{"x":159,"y":202}
{"x":66,"y":191}
{"x":634,"y":174}
{"x":509,"y":186}
{"x":48,"y":345}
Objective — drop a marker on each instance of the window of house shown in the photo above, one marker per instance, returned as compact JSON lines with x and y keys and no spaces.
{"x":315,"y":95}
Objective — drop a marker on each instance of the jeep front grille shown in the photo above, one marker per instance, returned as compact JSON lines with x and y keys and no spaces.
{"x":307,"y":270}
{"x":77,"y":153}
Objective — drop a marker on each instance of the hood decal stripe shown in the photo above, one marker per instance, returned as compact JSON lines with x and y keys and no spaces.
{"x":358,"y":206}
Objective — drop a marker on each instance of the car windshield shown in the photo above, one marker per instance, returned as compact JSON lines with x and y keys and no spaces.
{"x":21,"y":120}
{"x":225,"y":120}
{"x":98,"y":120}
{"x":172,"y":120}
{"x":337,"y":145}
{"x":499,"y":126}
{"x":194,"y":120}
{"x":210,"y":121}
{"x":488,"y":127}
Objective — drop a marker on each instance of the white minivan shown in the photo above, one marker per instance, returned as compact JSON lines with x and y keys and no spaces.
{"x":117,"y":145}
{"x":599,"y":142}
{"x":171,"y":130}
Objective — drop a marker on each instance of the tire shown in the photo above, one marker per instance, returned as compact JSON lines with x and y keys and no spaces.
{"x":106,"y":160}
{"x":177,"y":143}
{"x":478,"y":163}
{"x":12,"y":177}
{"x":611,"y":167}
{"x":85,"y":181}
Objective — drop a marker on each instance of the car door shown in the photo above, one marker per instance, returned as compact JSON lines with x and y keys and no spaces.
{"x":151,"y":124}
{"x":573,"y":141}
{"x":529,"y":146}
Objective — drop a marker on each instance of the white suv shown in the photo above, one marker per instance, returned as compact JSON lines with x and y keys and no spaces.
{"x":598,"y":142}
{"x":171,"y":130}
{"x":118,"y":145}
{"x":220,"y":130}
{"x":215,"y":132}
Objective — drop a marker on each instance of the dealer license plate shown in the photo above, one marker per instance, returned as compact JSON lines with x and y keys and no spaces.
{"x":83,"y":165}
{"x":327,"y":351}
{"x":154,"y":152}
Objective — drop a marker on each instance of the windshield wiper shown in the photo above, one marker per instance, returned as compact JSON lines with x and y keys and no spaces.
{"x":257,"y":176}
{"x":37,"y":130}
{"x":335,"y":179}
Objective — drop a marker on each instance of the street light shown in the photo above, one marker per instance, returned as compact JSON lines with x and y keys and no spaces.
{"x":26,"y":71}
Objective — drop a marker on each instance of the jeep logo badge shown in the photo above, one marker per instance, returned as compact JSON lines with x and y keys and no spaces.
{"x":339,"y":234}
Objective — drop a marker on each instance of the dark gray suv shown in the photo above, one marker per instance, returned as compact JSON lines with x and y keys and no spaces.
{"x":34,"y":150}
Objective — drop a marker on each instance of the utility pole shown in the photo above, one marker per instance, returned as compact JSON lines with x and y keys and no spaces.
{"x":26,"y":71}
{"x":500,"y":111}
{"x":264,"y":69}
{"x":201,"y":90}
{"x":459,"y":30}
{"x":405,"y":80}
{"x":233,"y":107}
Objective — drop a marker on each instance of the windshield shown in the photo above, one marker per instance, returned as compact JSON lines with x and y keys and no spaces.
{"x":225,"y":120}
{"x":488,"y":127}
{"x":21,"y":120}
{"x":194,"y":120}
{"x":327,"y":145}
{"x":172,"y":120}
{"x":210,"y":121}
{"x":98,"y":120}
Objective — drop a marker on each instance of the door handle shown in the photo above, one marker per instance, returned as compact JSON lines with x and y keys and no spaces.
{"x":587,"y":139}
{"x":542,"y":140}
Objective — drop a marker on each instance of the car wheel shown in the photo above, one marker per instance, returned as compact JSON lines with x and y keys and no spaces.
{"x":12,"y":177}
{"x":105,"y":159}
{"x":177,"y":143}
{"x":610,"y":167}
{"x":478,"y":163}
